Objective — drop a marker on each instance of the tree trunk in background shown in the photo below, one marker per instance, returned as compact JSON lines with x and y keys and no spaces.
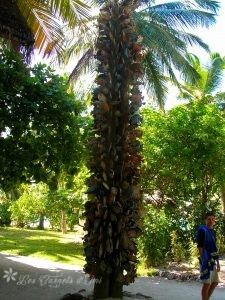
{"x":63,"y":222}
{"x":223,"y":198}
{"x":113,"y":210}
{"x":41,"y":222}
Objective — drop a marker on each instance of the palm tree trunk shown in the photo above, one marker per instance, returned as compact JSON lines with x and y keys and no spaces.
{"x":113,"y":210}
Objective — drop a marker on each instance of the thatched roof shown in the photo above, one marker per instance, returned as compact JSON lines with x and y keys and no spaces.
{"x":13,"y":26}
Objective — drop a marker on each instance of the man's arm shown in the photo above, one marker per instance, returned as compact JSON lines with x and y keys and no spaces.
{"x":200,"y":242}
{"x":217,"y":265}
{"x":217,"y":261}
{"x":200,"y":250}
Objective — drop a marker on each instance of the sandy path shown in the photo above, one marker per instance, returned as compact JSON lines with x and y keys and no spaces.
{"x":37,"y":279}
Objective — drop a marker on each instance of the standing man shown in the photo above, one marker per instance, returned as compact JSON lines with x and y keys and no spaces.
{"x":209,"y":258}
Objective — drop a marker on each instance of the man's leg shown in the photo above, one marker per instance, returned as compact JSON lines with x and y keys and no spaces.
{"x":212,"y":288}
{"x":214,"y":281}
{"x":205,"y":291}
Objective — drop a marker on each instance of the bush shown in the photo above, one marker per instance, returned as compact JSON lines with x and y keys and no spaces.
{"x":177,"y":250}
{"x":193,"y":254}
{"x":5,"y":215}
{"x":155,"y":240}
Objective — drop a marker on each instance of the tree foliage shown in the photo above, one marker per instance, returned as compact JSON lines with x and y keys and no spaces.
{"x":184,"y":163}
{"x":30,"y":205}
{"x":37,"y":202}
{"x":70,"y":200}
{"x":41,"y":127}
{"x":5,"y":215}
{"x":184,"y":150}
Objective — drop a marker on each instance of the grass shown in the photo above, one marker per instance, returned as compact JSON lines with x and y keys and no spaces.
{"x":45,"y":244}
{"x":142,"y":270}
{"x":49,"y":245}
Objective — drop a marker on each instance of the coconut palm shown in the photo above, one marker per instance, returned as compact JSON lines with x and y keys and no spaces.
{"x":131,"y":43}
{"x":207,"y":87}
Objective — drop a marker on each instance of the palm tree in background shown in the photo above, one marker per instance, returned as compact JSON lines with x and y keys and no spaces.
{"x":207,"y":86}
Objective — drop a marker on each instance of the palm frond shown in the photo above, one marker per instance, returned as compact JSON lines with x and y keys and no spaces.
{"x":164,"y":34}
{"x":214,"y":74}
{"x":210,"y":78}
{"x":186,"y":93}
{"x":179,"y":15}
{"x":220,"y":97}
{"x":170,"y":48}
{"x":194,"y":61}
{"x":46,"y":28}
{"x":210,"y":5}
{"x":99,"y":2}
{"x":156,"y":83}
{"x":72,"y":12}
{"x":192,"y":39}
{"x":156,"y":35}
{"x":83,"y":63}
{"x":77,"y":42}
{"x":47,"y":18}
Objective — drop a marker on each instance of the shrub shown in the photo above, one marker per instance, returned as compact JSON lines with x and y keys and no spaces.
{"x":177,"y":250}
{"x":5,"y":215}
{"x":155,"y":240}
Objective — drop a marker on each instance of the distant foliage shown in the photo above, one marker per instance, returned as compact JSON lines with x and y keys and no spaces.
{"x":30,"y":206}
{"x":70,"y":199}
{"x":178,"y":252}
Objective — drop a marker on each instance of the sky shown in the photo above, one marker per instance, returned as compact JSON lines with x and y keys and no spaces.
{"x":214,"y":37}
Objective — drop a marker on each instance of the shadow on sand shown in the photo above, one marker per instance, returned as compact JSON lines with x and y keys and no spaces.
{"x":27,"y":278}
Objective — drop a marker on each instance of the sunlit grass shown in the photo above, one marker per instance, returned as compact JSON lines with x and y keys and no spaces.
{"x":43,"y":244}
{"x":49,"y":245}
{"x":142,"y":270}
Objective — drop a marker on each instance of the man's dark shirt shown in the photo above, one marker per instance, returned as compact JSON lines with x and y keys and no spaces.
{"x":201,"y":237}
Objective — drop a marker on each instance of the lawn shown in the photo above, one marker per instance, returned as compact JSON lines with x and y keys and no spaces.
{"x":43,"y":244}
{"x":46,"y":244}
